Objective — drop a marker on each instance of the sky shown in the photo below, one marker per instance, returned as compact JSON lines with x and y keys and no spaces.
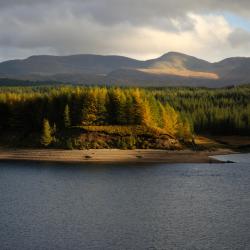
{"x":142,"y":29}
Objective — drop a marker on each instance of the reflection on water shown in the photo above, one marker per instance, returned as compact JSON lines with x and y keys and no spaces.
{"x":178,"y":206}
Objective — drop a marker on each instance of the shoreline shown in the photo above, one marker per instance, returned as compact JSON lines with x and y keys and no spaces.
{"x":111,"y":156}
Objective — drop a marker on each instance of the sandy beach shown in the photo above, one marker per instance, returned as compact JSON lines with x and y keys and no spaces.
{"x":110,"y":156}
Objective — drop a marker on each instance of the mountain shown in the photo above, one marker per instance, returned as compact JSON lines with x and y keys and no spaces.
{"x":76,"y":64}
{"x":171,"y":69}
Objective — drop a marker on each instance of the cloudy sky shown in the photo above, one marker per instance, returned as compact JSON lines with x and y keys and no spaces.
{"x":209,"y":29}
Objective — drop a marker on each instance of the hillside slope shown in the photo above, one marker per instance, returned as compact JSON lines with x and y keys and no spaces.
{"x":171,"y":69}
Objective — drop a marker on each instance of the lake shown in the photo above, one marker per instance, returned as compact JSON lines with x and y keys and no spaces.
{"x":176,"y":206}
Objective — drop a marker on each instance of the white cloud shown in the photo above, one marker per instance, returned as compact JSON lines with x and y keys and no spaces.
{"x":141,"y":29}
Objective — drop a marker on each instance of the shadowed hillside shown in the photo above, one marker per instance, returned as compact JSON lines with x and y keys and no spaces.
{"x":171,"y":69}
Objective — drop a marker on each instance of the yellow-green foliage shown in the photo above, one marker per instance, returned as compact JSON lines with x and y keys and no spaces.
{"x":46,"y":137}
{"x":155,"y":110}
{"x":221,"y":111}
{"x":124,"y":130}
{"x":173,"y":111}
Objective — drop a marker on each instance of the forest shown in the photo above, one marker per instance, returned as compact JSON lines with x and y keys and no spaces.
{"x":224,"y":111}
{"x":76,"y":116}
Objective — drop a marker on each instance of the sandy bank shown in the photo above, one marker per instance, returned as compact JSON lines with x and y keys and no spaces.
{"x":110,"y":156}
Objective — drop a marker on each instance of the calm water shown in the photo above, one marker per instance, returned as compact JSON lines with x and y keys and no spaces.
{"x":180,"y":206}
{"x":237,"y":158}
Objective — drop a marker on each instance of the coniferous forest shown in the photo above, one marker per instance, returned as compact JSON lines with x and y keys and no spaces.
{"x":100,"y":117}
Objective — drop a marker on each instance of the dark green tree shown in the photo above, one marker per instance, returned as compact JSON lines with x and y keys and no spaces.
{"x":66,"y":117}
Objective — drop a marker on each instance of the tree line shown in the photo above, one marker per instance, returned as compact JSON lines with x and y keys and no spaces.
{"x":58,"y":108}
{"x":178,"y":112}
{"x":223,"y":111}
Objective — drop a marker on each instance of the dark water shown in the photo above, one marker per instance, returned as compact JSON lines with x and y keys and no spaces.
{"x":181,"y":206}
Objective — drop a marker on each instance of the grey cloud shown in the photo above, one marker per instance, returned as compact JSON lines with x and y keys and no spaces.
{"x":113,"y":11}
{"x":239,"y":38}
{"x":98,"y":26}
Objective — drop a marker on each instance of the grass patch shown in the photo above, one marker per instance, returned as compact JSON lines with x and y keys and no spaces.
{"x":123,"y":130}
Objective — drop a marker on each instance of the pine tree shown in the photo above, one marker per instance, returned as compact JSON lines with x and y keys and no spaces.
{"x":46,"y":137}
{"x":53,"y":132}
{"x":89,"y":110}
{"x":138,"y":108}
{"x":171,"y":120}
{"x":146,"y":114}
{"x":115,"y":107}
{"x":54,"y":129}
{"x":66,"y":116}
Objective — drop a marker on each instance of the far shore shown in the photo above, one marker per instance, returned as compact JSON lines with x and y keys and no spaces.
{"x":111,"y":156}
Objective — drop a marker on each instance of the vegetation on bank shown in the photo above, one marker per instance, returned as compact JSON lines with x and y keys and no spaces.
{"x":100,"y":117}
{"x":114,"y":117}
{"x":223,"y":111}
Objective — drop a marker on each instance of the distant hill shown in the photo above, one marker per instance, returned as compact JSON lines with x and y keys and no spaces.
{"x":171,"y":69}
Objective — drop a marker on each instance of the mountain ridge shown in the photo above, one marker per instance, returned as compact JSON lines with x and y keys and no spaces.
{"x":170,"y":69}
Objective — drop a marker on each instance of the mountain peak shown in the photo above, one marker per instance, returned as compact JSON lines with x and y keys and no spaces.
{"x":171,"y":68}
{"x":173,"y":54}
